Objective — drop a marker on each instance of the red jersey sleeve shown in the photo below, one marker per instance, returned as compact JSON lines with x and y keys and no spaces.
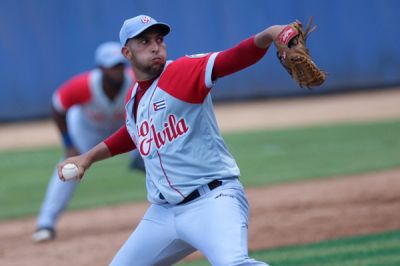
{"x":190,"y":78}
{"x":243,"y":55}
{"x":74,"y":91}
{"x":186,"y":77}
{"x":120,"y":142}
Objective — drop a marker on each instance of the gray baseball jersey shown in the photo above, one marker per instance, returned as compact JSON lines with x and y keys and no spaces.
{"x":173,"y":116}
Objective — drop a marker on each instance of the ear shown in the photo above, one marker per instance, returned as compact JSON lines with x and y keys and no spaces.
{"x":126,"y":52}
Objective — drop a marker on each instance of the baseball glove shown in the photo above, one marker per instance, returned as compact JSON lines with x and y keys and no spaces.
{"x":294,"y":55}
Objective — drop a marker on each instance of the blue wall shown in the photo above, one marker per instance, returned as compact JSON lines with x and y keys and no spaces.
{"x":43,"y":43}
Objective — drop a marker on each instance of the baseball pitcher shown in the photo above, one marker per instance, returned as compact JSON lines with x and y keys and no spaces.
{"x":197,"y":200}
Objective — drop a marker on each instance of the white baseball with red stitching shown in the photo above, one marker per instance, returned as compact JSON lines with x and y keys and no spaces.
{"x":69,"y":171}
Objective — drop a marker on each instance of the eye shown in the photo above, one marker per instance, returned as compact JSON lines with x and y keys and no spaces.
{"x":143,"y":41}
{"x":160,"y":39}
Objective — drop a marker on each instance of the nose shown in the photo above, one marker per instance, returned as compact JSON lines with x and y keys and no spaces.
{"x":155,"y":46}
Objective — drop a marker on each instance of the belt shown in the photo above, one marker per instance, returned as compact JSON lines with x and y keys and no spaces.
{"x":195,"y":194}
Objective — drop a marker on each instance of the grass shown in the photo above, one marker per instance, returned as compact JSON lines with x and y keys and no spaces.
{"x":265,"y":157}
{"x":278,"y":156}
{"x":369,"y":250}
{"x":26,"y":173}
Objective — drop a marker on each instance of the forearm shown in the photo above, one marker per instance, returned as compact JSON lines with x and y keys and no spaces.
{"x":117,"y":143}
{"x":265,"y":38}
{"x":84,"y":161}
{"x":97,"y":153}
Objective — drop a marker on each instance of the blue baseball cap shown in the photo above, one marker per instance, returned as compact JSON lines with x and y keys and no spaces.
{"x":134,"y":26}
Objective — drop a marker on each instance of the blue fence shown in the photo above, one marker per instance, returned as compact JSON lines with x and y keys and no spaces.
{"x":43,"y":43}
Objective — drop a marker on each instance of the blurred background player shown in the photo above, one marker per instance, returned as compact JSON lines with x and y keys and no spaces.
{"x":86,"y":109}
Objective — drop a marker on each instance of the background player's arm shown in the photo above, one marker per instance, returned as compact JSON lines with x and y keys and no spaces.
{"x":60,"y":120}
{"x":74,"y":91}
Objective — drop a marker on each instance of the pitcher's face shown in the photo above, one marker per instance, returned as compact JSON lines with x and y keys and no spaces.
{"x":147,"y":54}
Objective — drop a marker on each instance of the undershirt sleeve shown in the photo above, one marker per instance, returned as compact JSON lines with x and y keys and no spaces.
{"x":120,"y":142}
{"x":243,"y":55}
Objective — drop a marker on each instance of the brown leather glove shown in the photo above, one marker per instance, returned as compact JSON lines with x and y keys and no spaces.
{"x":294,"y":55}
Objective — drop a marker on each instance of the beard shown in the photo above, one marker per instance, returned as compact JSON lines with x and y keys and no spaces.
{"x":151,"y":69}
{"x":154,"y":70}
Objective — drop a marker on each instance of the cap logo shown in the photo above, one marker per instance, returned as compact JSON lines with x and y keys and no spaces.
{"x":146,"y":19}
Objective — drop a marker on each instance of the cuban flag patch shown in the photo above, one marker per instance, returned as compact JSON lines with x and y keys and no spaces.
{"x":159,"y":105}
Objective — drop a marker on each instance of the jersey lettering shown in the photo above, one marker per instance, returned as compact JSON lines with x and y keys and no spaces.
{"x":148,"y":134}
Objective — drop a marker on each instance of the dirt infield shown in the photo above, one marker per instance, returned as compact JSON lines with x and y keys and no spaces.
{"x":293,"y":213}
{"x":361,"y":106}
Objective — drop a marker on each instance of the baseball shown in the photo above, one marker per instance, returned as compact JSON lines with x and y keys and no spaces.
{"x":69,"y":171}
